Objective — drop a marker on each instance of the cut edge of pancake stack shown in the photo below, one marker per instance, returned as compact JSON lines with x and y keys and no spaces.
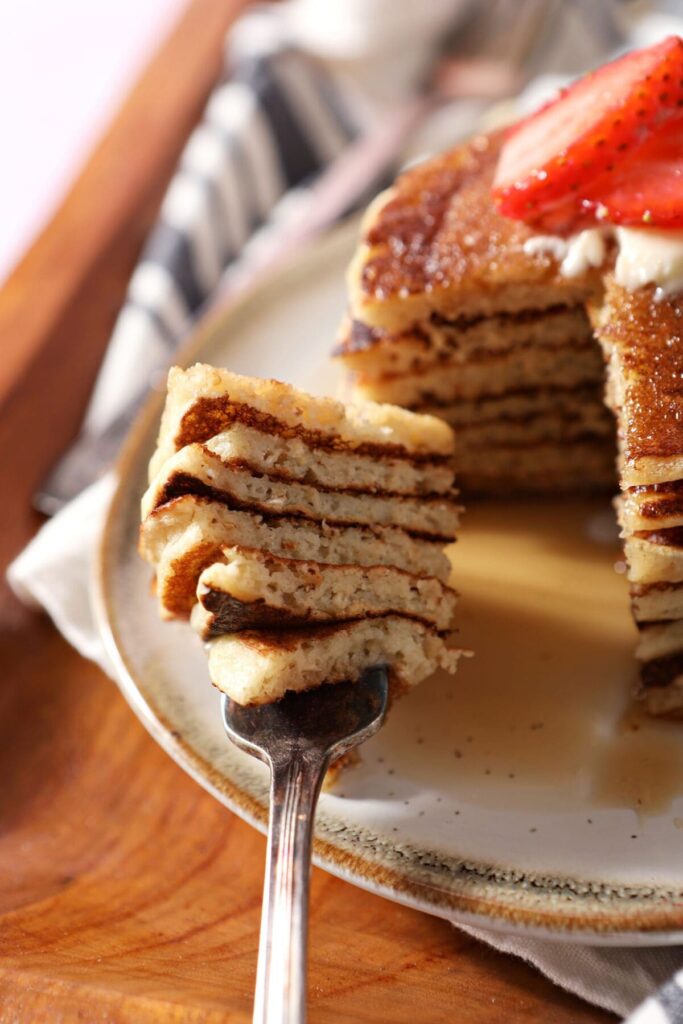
{"x":446,"y":292}
{"x":304,"y":539}
{"x":450,"y":316}
{"x":645,"y":390}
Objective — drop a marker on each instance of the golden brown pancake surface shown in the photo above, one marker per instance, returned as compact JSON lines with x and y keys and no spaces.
{"x":434,"y":242}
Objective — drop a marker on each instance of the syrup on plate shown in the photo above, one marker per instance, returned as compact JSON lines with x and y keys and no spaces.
{"x":546,"y":702}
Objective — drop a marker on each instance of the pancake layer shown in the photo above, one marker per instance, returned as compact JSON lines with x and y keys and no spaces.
{"x":642,"y":341}
{"x":450,"y":313}
{"x":259,"y":667}
{"x":255,"y":588}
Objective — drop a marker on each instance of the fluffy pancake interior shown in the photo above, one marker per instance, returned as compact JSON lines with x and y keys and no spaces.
{"x":197,"y":470}
{"x":311,"y":533}
{"x":203,"y":400}
{"x":180,"y":539}
{"x":272,"y":587}
{"x":452,"y":312}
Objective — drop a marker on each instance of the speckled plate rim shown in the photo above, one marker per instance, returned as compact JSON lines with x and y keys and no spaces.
{"x":470,"y":893}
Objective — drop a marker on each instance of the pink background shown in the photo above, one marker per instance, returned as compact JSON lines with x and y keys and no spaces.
{"x":65,"y":65}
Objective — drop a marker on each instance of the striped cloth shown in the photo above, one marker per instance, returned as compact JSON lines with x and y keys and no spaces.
{"x":666,"y":1007}
{"x":271,"y":125}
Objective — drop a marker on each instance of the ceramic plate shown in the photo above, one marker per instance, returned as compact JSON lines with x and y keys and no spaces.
{"x":523,"y":793}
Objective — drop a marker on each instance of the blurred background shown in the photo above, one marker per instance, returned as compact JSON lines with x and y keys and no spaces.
{"x":64,"y":69}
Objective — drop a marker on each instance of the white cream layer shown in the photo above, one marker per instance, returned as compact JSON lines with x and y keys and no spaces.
{"x":650,"y":256}
{"x":644,"y":256}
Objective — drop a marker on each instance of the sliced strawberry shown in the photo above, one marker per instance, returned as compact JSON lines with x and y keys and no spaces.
{"x":647,"y":188}
{"x":582,"y":135}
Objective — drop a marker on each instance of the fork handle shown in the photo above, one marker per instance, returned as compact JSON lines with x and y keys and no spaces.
{"x":281,"y":975}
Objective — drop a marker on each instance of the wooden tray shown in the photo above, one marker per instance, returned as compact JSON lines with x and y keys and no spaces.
{"x":127,"y":894}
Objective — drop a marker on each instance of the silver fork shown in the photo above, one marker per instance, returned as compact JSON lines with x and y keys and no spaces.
{"x":297,"y":737}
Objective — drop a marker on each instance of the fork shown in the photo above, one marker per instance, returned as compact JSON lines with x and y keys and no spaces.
{"x":297,"y":737}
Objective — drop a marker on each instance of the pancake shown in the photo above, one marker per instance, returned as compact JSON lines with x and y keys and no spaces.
{"x":293,"y":459}
{"x":657,"y":601}
{"x":640,"y":334}
{"x":434,"y":244}
{"x":303,"y":539}
{"x":551,"y":467}
{"x":572,"y":364}
{"x":452,"y":313}
{"x":435,"y":341}
{"x":253,"y":589}
{"x":195,"y":469}
{"x":261,"y":666}
{"x":187,"y":534}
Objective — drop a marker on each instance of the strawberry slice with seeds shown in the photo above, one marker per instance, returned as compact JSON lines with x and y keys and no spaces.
{"x":647,"y":189}
{"x":557,"y":153}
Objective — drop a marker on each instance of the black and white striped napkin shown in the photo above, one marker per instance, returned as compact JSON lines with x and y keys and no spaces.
{"x":272,"y":124}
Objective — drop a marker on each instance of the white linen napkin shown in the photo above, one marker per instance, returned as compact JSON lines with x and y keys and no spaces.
{"x":367,"y":68}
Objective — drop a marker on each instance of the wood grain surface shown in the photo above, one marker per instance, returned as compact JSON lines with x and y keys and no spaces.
{"x":127,"y":894}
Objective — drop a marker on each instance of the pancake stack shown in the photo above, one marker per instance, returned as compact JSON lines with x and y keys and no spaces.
{"x":303,"y":539}
{"x":458,"y":311}
{"x":453,"y":312}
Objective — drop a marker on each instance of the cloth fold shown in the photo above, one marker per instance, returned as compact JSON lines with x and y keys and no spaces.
{"x":55,"y":570}
{"x":297,"y":89}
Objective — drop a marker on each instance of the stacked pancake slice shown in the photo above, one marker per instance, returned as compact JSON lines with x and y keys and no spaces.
{"x":304,"y":539}
{"x":451,"y":314}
